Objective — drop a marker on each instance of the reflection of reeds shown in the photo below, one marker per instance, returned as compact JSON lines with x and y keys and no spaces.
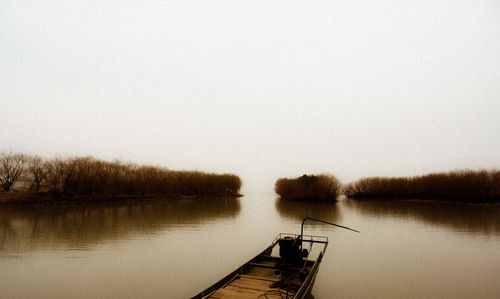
{"x":477,"y":218}
{"x":308,"y":187}
{"x":297,"y":210}
{"x":89,"y":176}
{"x":464,"y":185}
{"x":83,"y":225}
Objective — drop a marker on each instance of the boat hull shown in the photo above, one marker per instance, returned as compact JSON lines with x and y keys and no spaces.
{"x":270,"y":276}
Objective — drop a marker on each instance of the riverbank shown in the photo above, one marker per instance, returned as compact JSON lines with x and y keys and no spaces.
{"x":426,"y":201}
{"x":481,"y":201}
{"x":456,"y":186}
{"x":29,"y":179}
{"x":48,"y":198}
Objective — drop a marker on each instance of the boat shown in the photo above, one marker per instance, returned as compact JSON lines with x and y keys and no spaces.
{"x":285,"y":269}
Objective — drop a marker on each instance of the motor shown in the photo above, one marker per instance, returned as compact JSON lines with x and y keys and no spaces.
{"x":290,"y":250}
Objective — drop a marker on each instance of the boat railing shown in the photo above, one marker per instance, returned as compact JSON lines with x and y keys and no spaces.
{"x":305,"y":239}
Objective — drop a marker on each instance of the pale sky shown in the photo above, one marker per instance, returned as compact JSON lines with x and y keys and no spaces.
{"x":262,"y":89}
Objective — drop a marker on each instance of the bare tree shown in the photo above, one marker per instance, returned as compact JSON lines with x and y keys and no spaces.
{"x":11,"y":168}
{"x":38,"y":169}
{"x":60,"y":175}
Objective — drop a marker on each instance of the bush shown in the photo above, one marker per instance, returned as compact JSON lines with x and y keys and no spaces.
{"x":308,"y":187}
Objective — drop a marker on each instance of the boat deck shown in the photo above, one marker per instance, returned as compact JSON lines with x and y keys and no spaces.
{"x":249,"y":286}
{"x":261,"y":280}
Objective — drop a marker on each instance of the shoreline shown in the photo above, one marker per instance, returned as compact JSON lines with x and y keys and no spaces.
{"x":52,"y":199}
{"x":309,"y":199}
{"x":425,"y":200}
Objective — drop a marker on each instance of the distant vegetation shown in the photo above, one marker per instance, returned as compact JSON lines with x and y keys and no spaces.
{"x":466,"y":185}
{"x":87,"y":176}
{"x":308,"y":187}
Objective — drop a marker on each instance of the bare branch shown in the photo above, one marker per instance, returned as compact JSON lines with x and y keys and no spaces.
{"x":11,"y":168}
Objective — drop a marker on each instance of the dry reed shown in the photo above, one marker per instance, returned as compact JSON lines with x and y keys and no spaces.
{"x":308,"y":187}
{"x":90,"y":176}
{"x":463,"y":185}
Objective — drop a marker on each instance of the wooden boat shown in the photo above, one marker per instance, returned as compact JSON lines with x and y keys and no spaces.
{"x":285,"y":269}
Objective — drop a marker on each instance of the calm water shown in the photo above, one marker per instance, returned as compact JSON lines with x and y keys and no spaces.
{"x":174,"y":249}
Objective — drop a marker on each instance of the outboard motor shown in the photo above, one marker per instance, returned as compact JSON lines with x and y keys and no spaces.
{"x":290,"y":251}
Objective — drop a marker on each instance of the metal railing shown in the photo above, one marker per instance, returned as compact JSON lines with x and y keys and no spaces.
{"x":305,"y":239}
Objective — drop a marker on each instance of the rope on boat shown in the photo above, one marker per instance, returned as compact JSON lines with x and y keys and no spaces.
{"x":278,"y":292}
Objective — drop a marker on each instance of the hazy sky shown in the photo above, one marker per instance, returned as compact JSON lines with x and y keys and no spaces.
{"x":262,"y":89}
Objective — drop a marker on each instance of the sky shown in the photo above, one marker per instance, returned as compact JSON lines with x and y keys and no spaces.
{"x":262,"y":89}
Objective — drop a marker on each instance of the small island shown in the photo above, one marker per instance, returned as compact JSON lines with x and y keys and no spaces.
{"x":459,"y":186}
{"x":309,"y":188}
{"x":28,"y":179}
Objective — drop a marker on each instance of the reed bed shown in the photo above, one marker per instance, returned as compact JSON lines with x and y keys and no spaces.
{"x":463,"y":185}
{"x":309,"y":188}
{"x":90,"y":176}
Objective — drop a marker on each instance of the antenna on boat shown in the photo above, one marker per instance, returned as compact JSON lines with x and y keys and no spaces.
{"x":326,"y":222}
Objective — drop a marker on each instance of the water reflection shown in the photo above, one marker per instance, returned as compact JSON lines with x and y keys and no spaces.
{"x":297,"y":210}
{"x":77,"y":226}
{"x":484,"y":219}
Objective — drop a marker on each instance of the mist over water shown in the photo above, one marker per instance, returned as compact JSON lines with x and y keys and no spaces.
{"x":405,"y":249}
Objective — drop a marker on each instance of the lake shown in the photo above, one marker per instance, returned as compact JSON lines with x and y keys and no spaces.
{"x":175,"y":249}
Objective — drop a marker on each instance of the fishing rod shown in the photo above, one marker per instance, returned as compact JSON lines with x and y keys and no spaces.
{"x":322,"y":221}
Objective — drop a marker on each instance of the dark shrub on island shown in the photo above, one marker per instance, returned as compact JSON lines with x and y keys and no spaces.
{"x":308,"y":187}
{"x":465,"y":185}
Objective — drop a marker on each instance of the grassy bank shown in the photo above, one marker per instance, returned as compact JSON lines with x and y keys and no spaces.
{"x":308,"y":188}
{"x":83,"y":178}
{"x":464,"y":186}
